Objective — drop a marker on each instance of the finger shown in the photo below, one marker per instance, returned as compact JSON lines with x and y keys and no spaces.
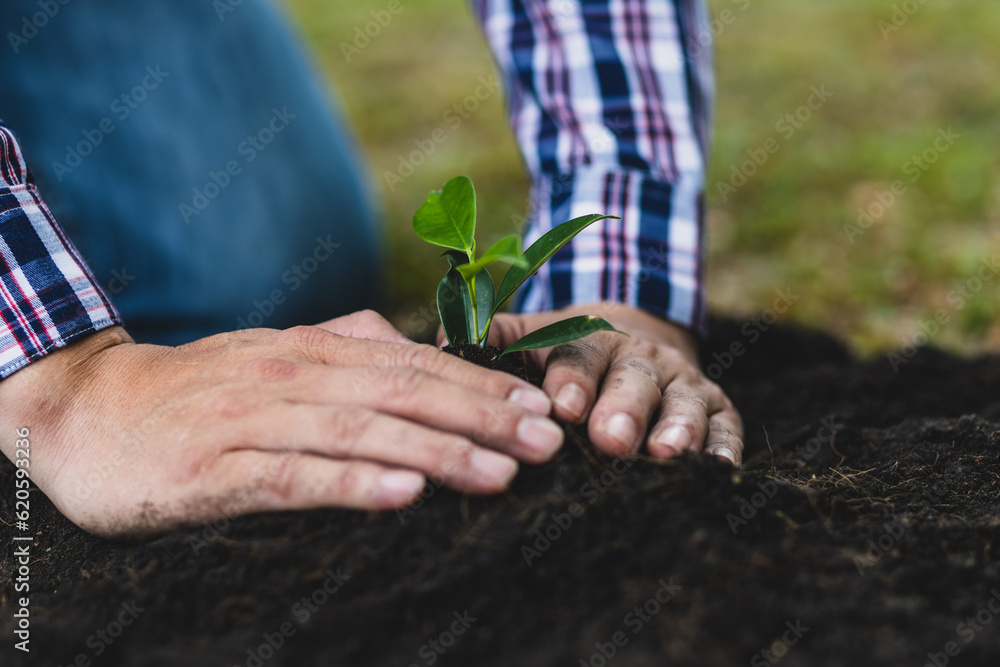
{"x":412,"y":394}
{"x":682,"y":424}
{"x":629,"y":397}
{"x":572,"y":376}
{"x":725,"y":437}
{"x":357,"y":433}
{"x":325,"y":348}
{"x":256,"y":481}
{"x":428,"y":399}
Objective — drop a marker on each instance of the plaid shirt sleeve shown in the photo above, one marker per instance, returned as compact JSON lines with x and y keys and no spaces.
{"x":47,"y":296}
{"x":610,"y":102}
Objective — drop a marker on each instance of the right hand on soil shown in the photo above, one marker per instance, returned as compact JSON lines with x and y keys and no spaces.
{"x":128,"y":438}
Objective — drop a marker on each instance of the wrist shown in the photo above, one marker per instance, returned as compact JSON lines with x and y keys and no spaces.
{"x":38,"y":392}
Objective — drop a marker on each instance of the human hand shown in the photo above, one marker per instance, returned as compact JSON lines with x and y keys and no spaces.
{"x":130,"y":438}
{"x":626,"y":387}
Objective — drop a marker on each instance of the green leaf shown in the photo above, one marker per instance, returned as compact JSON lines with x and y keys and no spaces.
{"x":452,"y":295}
{"x":454,"y":303}
{"x":559,"y":333}
{"x":507,"y":249}
{"x":484,"y":297}
{"x":542,"y":251}
{"x":448,"y":217}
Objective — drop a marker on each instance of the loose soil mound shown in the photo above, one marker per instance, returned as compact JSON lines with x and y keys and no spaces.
{"x":863,"y":530}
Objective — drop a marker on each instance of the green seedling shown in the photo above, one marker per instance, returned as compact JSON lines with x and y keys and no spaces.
{"x":467,"y":298}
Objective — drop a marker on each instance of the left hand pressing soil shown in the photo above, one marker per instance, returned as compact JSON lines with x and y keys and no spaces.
{"x":642,"y":388}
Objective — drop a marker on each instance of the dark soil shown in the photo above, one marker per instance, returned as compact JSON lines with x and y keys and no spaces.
{"x":866,"y":518}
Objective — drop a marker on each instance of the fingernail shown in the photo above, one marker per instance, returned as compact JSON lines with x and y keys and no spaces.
{"x":540,"y":434}
{"x":532,"y":399}
{"x":572,"y":399}
{"x":676,"y":437}
{"x":725,"y":454}
{"x":621,"y":427}
{"x":400,"y":486}
{"x":496,"y":467}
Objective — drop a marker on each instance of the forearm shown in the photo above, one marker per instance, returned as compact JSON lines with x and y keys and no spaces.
{"x":652,"y":259}
{"x":612,"y":120}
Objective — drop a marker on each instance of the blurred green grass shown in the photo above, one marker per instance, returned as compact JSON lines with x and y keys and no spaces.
{"x":785,"y":226}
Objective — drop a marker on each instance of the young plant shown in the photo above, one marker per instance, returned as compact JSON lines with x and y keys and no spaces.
{"x":467,"y":298}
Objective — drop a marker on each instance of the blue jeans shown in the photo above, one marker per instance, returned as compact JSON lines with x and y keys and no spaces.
{"x":194,"y":159}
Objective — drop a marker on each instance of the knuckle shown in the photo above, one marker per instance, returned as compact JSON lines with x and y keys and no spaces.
{"x":639,"y":365}
{"x":226,"y":406}
{"x":455,"y":457}
{"x":270,"y":369}
{"x":682,"y":372}
{"x":646,"y":348}
{"x":674,"y":358}
{"x":306,"y":339}
{"x":348,"y":482}
{"x":348,"y":428}
{"x":369,"y":315}
{"x":685,"y":397}
{"x":582,"y":353}
{"x":721,"y":431}
{"x":424,"y":357}
{"x":277,"y":478}
{"x":400,"y":385}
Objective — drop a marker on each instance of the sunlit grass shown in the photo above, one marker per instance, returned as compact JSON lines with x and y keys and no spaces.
{"x":785,"y":226}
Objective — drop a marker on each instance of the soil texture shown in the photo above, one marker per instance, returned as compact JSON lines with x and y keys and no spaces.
{"x":863,"y":529}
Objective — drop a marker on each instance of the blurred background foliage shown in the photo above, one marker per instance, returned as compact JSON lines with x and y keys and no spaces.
{"x":892,"y":91}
